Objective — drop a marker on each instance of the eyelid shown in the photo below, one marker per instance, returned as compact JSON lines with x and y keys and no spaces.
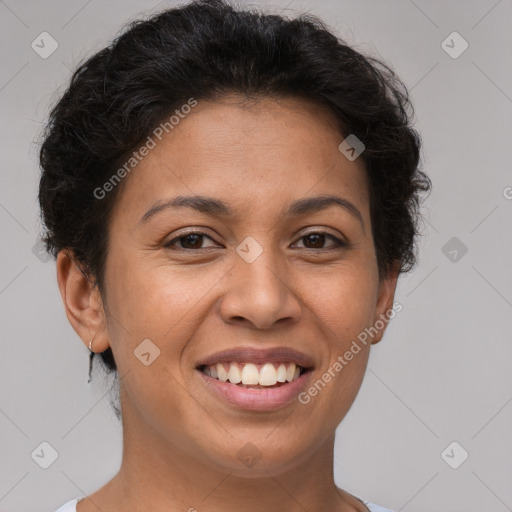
{"x":318,"y":229}
{"x":323,"y":231}
{"x":191,"y":231}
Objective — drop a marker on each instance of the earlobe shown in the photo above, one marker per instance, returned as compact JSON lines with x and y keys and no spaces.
{"x":384,"y":304}
{"x":82,"y":302}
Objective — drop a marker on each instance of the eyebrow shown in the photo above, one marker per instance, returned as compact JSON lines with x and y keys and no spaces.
{"x":218,"y":208}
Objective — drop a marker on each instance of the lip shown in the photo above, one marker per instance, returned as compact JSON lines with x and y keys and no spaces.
{"x":258,"y":355}
{"x":256,"y":399}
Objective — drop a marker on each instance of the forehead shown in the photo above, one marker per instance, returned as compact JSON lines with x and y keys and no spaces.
{"x":248,"y":154}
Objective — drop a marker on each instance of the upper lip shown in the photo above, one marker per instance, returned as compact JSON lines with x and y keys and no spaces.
{"x":259,"y":356}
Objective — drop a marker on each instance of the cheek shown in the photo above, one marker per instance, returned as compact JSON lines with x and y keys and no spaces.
{"x":155,"y":304}
{"x":344,"y":302}
{"x":158,"y":302}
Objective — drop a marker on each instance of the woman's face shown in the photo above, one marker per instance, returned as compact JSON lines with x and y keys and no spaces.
{"x":259,"y":277}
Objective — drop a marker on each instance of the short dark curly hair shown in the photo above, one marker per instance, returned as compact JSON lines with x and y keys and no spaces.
{"x":206,"y":49}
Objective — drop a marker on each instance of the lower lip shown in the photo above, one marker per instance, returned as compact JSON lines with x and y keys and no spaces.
{"x":257,"y":399}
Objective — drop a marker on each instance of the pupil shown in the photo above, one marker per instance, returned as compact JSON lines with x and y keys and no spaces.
{"x":194,"y":237}
{"x":318,"y":239}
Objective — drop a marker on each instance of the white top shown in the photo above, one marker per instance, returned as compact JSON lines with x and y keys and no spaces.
{"x":70,"y":506}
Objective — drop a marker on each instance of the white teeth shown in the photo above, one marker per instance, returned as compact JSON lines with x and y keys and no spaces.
{"x":281,"y":373}
{"x":290,"y":372}
{"x":234,"y":375}
{"x":250,"y":374}
{"x":222,"y":374}
{"x":268,"y":375}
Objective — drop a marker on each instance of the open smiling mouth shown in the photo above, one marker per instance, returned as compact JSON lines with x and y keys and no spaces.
{"x":255,"y":387}
{"x":254,"y":376}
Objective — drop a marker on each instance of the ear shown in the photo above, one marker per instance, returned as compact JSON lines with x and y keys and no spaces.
{"x":387,"y":287}
{"x":82,"y":302}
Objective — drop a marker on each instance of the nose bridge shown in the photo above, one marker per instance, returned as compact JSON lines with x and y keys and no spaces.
{"x":260,"y":267}
{"x":258,"y":290}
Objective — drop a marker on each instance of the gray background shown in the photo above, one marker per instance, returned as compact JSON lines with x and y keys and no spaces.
{"x":442,"y":372}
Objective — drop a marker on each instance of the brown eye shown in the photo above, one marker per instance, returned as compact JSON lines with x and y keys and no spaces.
{"x":192,"y":241}
{"x":314,"y":241}
{"x":188,"y":241}
{"x":317,"y":240}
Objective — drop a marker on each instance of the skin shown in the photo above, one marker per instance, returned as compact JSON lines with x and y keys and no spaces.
{"x":180,"y":444}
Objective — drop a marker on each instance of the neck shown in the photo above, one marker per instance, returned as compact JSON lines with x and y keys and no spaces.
{"x":159,"y":476}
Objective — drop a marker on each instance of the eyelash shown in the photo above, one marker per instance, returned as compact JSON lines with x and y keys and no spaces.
{"x":339,"y":243}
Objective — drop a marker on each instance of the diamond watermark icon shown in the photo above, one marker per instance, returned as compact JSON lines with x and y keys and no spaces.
{"x":44,"y":45}
{"x":351,"y":147}
{"x":454,"y":249}
{"x":249,"y":454}
{"x":454,"y":45}
{"x":39,"y":251}
{"x":146,"y":352}
{"x":44,"y":455}
{"x":249,"y":249}
{"x":454,"y":455}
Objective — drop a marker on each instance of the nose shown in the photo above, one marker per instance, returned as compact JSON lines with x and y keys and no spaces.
{"x":259,"y":295}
